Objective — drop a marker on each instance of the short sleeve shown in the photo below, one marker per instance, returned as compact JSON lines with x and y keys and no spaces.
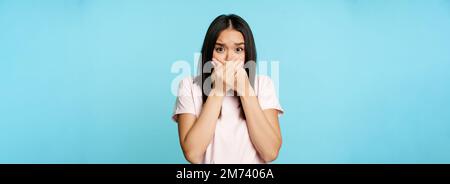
{"x":267,"y":96}
{"x":185,"y":101}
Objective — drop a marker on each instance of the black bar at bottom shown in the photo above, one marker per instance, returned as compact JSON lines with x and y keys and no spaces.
{"x":229,"y":173}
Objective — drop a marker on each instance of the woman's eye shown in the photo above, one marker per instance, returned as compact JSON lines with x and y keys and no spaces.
{"x":239,"y":49}
{"x":219,"y":49}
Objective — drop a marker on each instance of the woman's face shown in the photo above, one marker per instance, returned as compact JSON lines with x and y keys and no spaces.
{"x":229,"y":46}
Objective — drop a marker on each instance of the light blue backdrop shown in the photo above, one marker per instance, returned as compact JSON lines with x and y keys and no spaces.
{"x":88,"y":81}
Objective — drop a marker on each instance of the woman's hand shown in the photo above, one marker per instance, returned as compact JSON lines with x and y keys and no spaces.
{"x":225,"y":75}
{"x":242,"y":84}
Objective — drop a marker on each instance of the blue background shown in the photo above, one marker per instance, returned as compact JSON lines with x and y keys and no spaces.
{"x":89,"y":81}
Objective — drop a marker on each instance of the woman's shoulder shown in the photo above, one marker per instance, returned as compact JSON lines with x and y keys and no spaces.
{"x":264,"y":85}
{"x":190,"y":80}
{"x":191,"y":84}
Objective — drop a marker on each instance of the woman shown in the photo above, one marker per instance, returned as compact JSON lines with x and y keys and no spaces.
{"x":228,"y":115}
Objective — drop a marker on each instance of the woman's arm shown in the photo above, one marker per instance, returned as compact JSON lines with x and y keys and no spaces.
{"x":196,"y":133}
{"x":263,"y":125}
{"x":263,"y":128}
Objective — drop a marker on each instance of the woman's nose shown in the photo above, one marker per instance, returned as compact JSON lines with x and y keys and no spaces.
{"x":229,"y":56}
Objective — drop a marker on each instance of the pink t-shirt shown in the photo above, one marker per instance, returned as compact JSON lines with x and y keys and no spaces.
{"x":231,"y":142}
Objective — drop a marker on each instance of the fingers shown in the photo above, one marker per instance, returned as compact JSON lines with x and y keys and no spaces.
{"x":229,"y":75}
{"x":218,"y":61}
{"x":233,"y":62}
{"x":231,"y":68}
{"x":239,"y":65}
{"x":236,"y":58}
{"x":228,"y":68}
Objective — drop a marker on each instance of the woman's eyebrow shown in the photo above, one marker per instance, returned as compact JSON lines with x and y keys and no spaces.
{"x":223,"y":44}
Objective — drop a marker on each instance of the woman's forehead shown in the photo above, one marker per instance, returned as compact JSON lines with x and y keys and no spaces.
{"x":230,"y":36}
